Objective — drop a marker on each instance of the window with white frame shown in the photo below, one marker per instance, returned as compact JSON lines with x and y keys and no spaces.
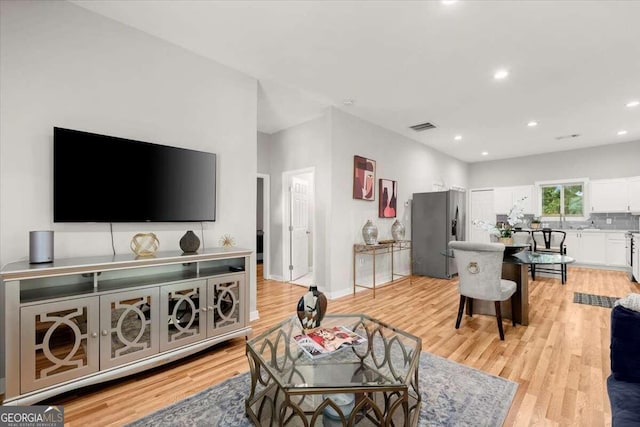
{"x":565,"y":199}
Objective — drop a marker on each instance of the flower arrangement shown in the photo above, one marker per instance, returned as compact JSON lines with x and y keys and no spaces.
{"x":504,"y":230}
{"x":501,"y":229}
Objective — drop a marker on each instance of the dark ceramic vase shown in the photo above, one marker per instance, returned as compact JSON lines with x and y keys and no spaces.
{"x":311,"y":308}
{"x":189,"y":243}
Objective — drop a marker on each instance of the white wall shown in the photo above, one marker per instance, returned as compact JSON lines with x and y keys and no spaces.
{"x":61,"y":65}
{"x":415,"y":166}
{"x":304,"y":146}
{"x":609,"y":161}
{"x":328,"y":144}
{"x":264,"y":148}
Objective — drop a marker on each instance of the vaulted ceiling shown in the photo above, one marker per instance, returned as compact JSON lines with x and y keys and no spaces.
{"x":573,"y":66}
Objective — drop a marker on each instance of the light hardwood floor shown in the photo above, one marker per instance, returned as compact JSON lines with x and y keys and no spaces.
{"x":560,"y":361}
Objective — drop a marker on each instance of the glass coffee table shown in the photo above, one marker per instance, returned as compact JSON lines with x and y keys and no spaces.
{"x":369,"y":384}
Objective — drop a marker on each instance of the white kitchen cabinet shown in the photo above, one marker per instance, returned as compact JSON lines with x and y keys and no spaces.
{"x":504,"y":198}
{"x":586,"y":247}
{"x":609,"y":195}
{"x":615,"y":249}
{"x":574,"y":245}
{"x":481,"y":203}
{"x":634,"y":194}
{"x":527,"y":192}
{"x":593,"y":248}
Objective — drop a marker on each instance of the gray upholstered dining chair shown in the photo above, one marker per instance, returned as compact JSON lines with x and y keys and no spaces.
{"x":480,"y":277}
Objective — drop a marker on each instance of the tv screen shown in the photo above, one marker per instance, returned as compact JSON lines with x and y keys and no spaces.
{"x":100,"y":178}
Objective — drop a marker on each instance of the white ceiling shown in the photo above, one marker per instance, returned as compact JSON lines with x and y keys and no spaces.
{"x":574,"y":65}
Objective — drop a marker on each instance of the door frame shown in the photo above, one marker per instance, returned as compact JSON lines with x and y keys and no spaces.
{"x":266,"y":221}
{"x":286,"y":243}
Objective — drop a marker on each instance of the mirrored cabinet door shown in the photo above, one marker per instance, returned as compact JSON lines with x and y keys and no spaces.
{"x":225,"y":307}
{"x":128,"y":326}
{"x":183,"y":311}
{"x":59,"y":342}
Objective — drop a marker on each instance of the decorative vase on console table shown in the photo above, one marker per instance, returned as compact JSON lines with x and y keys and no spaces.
{"x":189,"y":243}
{"x":397,"y":231}
{"x":370,"y":233}
{"x":311,"y":308}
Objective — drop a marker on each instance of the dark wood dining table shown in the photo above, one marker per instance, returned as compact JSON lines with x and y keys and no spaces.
{"x":515,"y":267}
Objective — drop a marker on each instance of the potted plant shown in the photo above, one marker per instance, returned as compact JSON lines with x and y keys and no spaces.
{"x":535,"y":223}
{"x":505,"y":233}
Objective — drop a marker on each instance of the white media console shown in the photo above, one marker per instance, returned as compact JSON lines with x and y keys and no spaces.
{"x":82,"y":321}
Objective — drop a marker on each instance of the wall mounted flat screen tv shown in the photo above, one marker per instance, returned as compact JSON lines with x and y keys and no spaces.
{"x":100,"y":178}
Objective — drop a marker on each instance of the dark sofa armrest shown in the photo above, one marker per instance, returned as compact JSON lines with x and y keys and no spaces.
{"x":625,"y":344}
{"x":625,"y":402}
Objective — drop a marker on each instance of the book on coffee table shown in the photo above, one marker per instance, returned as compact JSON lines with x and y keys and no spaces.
{"x":324,"y":341}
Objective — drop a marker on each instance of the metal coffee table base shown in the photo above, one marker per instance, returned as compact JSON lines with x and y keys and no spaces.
{"x":268,"y":404}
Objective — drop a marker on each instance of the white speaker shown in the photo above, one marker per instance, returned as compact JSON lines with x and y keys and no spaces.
{"x":40,"y":246}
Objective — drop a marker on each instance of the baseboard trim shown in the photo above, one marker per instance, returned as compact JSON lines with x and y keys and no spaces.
{"x":274,"y":277}
{"x":254,"y":315}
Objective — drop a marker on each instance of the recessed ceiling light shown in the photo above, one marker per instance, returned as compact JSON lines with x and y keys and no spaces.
{"x":622,"y":132}
{"x":532,"y":123}
{"x":501,"y":74}
{"x":448,"y":2}
{"x":632,"y":104}
{"x":348,"y":102}
{"x":457,"y":137}
{"x":485,"y":153}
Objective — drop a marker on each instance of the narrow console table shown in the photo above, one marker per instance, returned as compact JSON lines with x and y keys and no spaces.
{"x":82,"y":321}
{"x":380,"y":249}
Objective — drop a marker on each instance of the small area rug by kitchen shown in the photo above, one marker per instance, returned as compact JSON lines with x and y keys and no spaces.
{"x":592,"y":299}
{"x":452,"y":395}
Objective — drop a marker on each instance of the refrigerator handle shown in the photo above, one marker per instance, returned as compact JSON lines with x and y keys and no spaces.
{"x":454,"y":225}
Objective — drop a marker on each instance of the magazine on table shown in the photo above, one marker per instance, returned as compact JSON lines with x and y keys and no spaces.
{"x":324,"y":341}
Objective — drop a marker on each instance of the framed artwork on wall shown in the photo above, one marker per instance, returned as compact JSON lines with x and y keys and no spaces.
{"x":364,"y":178}
{"x":388,"y":191}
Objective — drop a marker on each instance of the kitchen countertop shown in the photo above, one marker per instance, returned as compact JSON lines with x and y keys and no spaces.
{"x":591,"y":230}
{"x":588,"y":230}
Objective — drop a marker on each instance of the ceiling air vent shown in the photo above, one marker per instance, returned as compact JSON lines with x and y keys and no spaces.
{"x":423,"y":126}
{"x":573,"y":135}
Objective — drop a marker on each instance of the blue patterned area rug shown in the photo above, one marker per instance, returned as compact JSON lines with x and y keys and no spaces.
{"x":452,"y":395}
{"x":593,"y":299}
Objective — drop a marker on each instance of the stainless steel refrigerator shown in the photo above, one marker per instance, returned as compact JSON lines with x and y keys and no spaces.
{"x":436,"y":218}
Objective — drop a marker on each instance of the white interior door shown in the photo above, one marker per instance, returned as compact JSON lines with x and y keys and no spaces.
{"x":299,"y":227}
{"x":482,"y":209}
